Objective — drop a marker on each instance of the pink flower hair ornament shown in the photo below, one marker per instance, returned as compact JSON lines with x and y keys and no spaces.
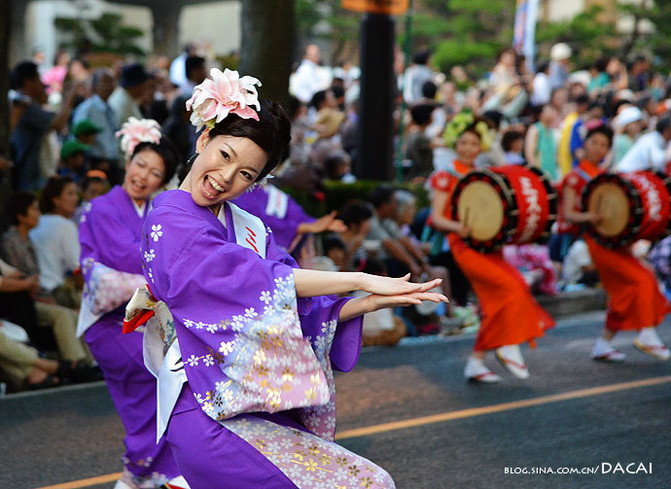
{"x":137,"y":131}
{"x":225,"y":93}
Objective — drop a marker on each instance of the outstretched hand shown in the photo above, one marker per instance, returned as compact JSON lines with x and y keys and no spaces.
{"x":324,"y":223}
{"x":390,"y":292}
{"x":402,"y":300}
{"x":379,"y":285}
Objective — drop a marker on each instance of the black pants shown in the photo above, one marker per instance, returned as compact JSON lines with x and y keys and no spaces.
{"x":19,"y":308}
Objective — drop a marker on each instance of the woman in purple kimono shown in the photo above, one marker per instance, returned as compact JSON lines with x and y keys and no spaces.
{"x":285,"y":217}
{"x":110,"y":232}
{"x":241,"y":340}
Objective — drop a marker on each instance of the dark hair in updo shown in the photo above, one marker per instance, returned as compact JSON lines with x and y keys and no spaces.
{"x":168,"y":153}
{"x":272,"y":132}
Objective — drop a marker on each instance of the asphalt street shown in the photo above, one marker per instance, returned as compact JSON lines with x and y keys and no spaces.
{"x":574,"y":424}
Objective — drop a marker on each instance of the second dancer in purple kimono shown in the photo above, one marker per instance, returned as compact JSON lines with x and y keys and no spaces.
{"x":242,"y":341}
{"x":109,"y":232}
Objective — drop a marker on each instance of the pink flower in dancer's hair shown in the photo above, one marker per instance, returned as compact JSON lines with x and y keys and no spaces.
{"x":137,"y":131}
{"x":224,"y":94}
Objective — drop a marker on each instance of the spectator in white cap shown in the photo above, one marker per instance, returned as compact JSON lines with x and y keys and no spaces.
{"x":628,"y":124}
{"x":559,"y":55}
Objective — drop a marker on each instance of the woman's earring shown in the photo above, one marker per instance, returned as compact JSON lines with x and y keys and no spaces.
{"x":192,"y":158}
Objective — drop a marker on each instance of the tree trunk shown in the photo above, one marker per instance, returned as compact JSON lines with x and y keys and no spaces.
{"x":166,"y":28}
{"x":267,"y":47}
{"x":5,"y":31}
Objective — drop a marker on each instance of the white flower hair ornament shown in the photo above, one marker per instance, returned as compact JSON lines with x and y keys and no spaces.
{"x":226,"y":93}
{"x":137,"y":131}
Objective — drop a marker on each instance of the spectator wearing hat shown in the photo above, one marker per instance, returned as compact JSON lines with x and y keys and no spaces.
{"x":94,"y":184}
{"x":85,"y":131}
{"x":73,"y":154}
{"x":104,"y":152}
{"x":134,"y":88}
{"x":560,"y":54}
{"x":628,"y":124}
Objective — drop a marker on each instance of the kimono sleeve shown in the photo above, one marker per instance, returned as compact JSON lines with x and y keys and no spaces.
{"x":340,"y":340}
{"x":110,"y":260}
{"x":235,"y":317}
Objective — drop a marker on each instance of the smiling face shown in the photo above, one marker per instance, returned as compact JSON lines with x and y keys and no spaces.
{"x":468,"y":147}
{"x":144,"y":175}
{"x":226,"y":166}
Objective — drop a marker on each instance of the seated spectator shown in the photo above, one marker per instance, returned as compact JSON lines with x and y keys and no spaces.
{"x":56,"y":242}
{"x":400,"y":227}
{"x":578,"y":267}
{"x":17,"y":305}
{"x":19,"y":252}
{"x":22,"y":366}
{"x":93,"y":185}
{"x":512,"y":144}
{"x":73,"y":155}
{"x":380,"y":329}
{"x":85,"y":131}
{"x":356,"y":216}
{"x":336,"y":251}
{"x":396,"y":258}
{"x":337,"y":166}
{"x":534,"y":263}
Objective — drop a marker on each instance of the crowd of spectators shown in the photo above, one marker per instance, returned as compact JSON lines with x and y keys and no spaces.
{"x":65,"y":153}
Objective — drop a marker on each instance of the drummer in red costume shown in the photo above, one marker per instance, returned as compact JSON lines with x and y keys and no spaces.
{"x":510,"y":315}
{"x":635,"y":302}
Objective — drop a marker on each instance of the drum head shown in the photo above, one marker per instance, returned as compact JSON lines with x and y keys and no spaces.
{"x":610,"y":201}
{"x":481,"y":209}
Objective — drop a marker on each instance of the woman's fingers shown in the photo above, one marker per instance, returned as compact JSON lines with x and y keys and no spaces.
{"x":430,"y":285}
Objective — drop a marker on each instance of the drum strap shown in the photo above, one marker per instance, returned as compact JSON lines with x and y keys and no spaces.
{"x":583,"y":174}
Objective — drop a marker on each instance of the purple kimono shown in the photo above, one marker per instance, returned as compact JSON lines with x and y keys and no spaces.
{"x":278,"y":210}
{"x":109,"y":233}
{"x":257,"y":408}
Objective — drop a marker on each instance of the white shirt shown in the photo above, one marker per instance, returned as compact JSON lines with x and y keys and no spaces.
{"x":576,"y":259}
{"x":308,"y":80}
{"x":541,"y":92}
{"x":648,"y":152}
{"x":178,"y":69}
{"x":56,"y":243}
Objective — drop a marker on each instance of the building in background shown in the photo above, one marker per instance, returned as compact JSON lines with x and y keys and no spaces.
{"x":214,"y":25}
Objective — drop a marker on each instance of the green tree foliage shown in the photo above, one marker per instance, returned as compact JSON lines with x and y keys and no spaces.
{"x":653,"y":42}
{"x":463,"y":32}
{"x":105,"y":34}
{"x":327,"y":19}
{"x":587,"y":34}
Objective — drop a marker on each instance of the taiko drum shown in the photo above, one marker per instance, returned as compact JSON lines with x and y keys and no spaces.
{"x":632,"y":206}
{"x":506,"y":204}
